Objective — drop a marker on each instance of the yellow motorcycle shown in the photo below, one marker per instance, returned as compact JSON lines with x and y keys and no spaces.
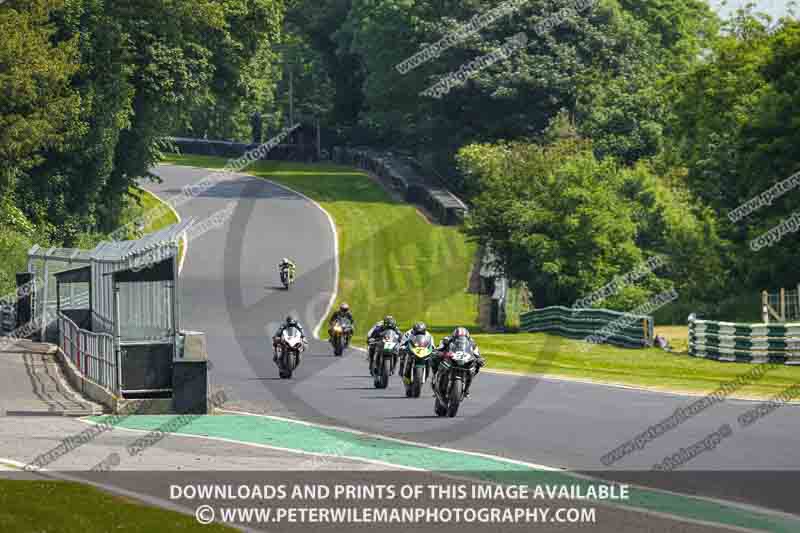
{"x":415,"y":369}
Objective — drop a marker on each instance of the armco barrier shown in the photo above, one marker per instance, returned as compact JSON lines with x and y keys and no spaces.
{"x":745,"y":343}
{"x":230,"y":149}
{"x":619,"y":329}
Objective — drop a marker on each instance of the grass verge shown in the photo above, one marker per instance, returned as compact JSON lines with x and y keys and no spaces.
{"x":650,"y":368}
{"x":149,"y":203}
{"x":58,"y":506}
{"x":392,"y":261}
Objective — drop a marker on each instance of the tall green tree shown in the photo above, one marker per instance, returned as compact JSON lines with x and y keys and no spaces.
{"x":38,"y":104}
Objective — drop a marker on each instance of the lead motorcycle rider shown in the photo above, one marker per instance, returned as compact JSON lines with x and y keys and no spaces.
{"x":459,"y":332}
{"x":377,"y":331}
{"x":290,"y":322}
{"x":286,"y":263}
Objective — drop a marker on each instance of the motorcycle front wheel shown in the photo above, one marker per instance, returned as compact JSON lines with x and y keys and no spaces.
{"x":284,"y":366}
{"x":338,"y":347}
{"x":456,"y":392}
{"x":382,"y":374}
{"x":416,"y":385}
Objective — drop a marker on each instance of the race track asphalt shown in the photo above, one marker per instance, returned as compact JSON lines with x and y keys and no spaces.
{"x":230,"y":290}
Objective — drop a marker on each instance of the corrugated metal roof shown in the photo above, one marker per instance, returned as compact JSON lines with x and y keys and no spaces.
{"x":123,"y":250}
{"x":114,"y":250}
{"x":69,"y":255}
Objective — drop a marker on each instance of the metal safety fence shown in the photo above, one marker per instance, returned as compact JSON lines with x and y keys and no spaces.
{"x":594,"y":325}
{"x":92,"y":354}
{"x":745,"y":343}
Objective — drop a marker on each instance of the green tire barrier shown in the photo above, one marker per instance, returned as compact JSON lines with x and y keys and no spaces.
{"x":610,"y":327}
{"x":745,"y":343}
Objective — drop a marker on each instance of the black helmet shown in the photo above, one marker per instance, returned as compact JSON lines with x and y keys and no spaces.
{"x":389,"y":322}
{"x":291,"y":321}
{"x":420,"y":328}
{"x":344,"y":308}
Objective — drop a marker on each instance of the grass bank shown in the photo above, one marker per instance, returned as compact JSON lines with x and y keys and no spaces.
{"x":58,"y":506}
{"x":392,"y":261}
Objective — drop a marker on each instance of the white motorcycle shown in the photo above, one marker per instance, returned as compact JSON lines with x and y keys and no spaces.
{"x":288,"y":350}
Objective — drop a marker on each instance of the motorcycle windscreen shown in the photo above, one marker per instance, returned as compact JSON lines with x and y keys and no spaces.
{"x":421,"y":341}
{"x":461,"y":345}
{"x":292,"y":332}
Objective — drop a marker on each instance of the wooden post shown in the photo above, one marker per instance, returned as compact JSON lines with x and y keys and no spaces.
{"x":783,"y":304}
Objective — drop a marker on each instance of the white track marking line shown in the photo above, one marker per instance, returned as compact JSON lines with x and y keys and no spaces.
{"x":334,"y":295}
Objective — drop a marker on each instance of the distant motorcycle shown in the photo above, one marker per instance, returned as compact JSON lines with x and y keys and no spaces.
{"x":384,"y":356}
{"x":415,"y":366}
{"x":340,"y":334}
{"x":288,"y":350}
{"x":455,"y":368}
{"x":287,"y":276}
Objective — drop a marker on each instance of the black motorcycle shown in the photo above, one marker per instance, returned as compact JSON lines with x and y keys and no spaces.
{"x":287,"y":276}
{"x":457,"y":366}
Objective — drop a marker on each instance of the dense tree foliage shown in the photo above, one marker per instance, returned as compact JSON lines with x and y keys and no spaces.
{"x":94,"y":85}
{"x":621,"y":131}
{"x":567,"y":222}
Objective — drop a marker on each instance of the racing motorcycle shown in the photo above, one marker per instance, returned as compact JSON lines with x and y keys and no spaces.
{"x":455,"y":368}
{"x":288,"y":350}
{"x":287,"y":276}
{"x":385,"y":352}
{"x":340,"y":334}
{"x":415,"y":364}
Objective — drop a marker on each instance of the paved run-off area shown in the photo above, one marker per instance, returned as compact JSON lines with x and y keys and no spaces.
{"x":335,"y":442}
